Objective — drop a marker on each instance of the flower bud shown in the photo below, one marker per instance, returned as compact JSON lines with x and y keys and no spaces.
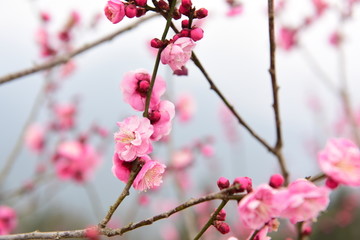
{"x":331,"y":183}
{"x":185,"y":23}
{"x":156,"y":43}
{"x":176,"y":14}
{"x":221,"y":215}
{"x":185,"y":33}
{"x":244,"y":182}
{"x":201,"y":13}
{"x":183,"y":10}
{"x":141,"y":2}
{"x":163,"y":5}
{"x":140,"y":11}
{"x":223,"y":183}
{"x":196,"y":34}
{"x":222,"y":227}
{"x":276,"y":181}
{"x":186,"y":4}
{"x":154,"y":116}
{"x":130,"y":11}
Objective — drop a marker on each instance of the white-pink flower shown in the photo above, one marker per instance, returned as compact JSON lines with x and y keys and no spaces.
{"x":340,"y":160}
{"x":150,"y":175}
{"x":133,"y":138}
{"x":258,"y":207}
{"x":65,"y":115}
{"x":185,"y":107}
{"x":287,"y":38}
{"x":135,"y":86}
{"x":8,"y":220}
{"x":76,"y":160}
{"x":302,"y":200}
{"x":177,"y":54}
{"x":160,"y":117}
{"x":35,"y":138}
{"x":115,"y":11}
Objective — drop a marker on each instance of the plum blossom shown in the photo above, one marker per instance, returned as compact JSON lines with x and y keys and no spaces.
{"x":177,"y":54}
{"x":65,"y":114}
{"x":287,"y":38}
{"x":340,"y":160}
{"x":185,"y":107}
{"x":133,"y":138}
{"x":115,"y":11}
{"x":150,"y":175}
{"x":302,"y":200}
{"x":75,"y":160}
{"x":35,"y":138}
{"x":8,"y":220}
{"x":182,"y":158}
{"x":258,"y":207}
{"x":135,"y":86}
{"x":160,"y":117}
{"x":320,"y":6}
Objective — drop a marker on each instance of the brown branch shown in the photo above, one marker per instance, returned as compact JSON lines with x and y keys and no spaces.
{"x":223,"y":195}
{"x":136,"y":169}
{"x":275,"y":89}
{"x":65,"y":58}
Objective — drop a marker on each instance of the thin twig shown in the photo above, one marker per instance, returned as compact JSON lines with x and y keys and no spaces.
{"x":223,"y":194}
{"x":211,"y":220}
{"x":125,"y":192}
{"x":275,"y":89}
{"x":65,"y":58}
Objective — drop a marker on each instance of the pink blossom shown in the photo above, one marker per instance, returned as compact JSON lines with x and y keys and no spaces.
{"x":8,"y":220}
{"x":302,"y":201}
{"x":160,"y":117}
{"x":228,"y":121}
{"x":335,"y":39}
{"x":35,"y":138}
{"x":287,"y":38}
{"x":320,"y":6}
{"x":340,"y":160}
{"x":207,"y":150}
{"x":135,"y":86}
{"x":258,"y":207}
{"x":185,"y":107}
{"x":65,"y":114}
{"x":261,"y":235}
{"x":182,"y":158}
{"x":150,"y":175}
{"x":235,"y":10}
{"x":177,"y":54}
{"x":133,"y":138}
{"x":115,"y":11}
{"x":76,"y":160}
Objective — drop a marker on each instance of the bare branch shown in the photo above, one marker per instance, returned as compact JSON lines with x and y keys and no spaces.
{"x":275,"y":89}
{"x":65,"y":58}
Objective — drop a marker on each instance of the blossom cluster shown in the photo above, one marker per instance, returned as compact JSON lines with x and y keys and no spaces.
{"x":134,"y":139}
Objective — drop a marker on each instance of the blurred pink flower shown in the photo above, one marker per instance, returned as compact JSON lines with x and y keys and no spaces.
{"x":76,"y":160}
{"x":8,"y":220}
{"x":182,"y":158}
{"x":160,"y":117}
{"x":340,"y":160}
{"x":235,"y":10}
{"x":177,"y":54}
{"x":335,"y":39}
{"x":65,"y":114}
{"x":258,"y":207}
{"x":320,"y":6}
{"x":150,"y":175}
{"x":133,"y":138}
{"x":302,"y":200}
{"x":287,"y":38}
{"x":207,"y":150}
{"x":115,"y":11}
{"x":135,"y":86}
{"x":185,"y":107}
{"x":35,"y":138}
{"x":262,"y":234}
{"x":228,"y":121}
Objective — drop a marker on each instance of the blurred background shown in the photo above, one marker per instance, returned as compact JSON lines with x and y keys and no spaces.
{"x":317,"y":52}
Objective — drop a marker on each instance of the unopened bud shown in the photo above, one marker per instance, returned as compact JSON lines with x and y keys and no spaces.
{"x":201,"y":13}
{"x":223,"y":183}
